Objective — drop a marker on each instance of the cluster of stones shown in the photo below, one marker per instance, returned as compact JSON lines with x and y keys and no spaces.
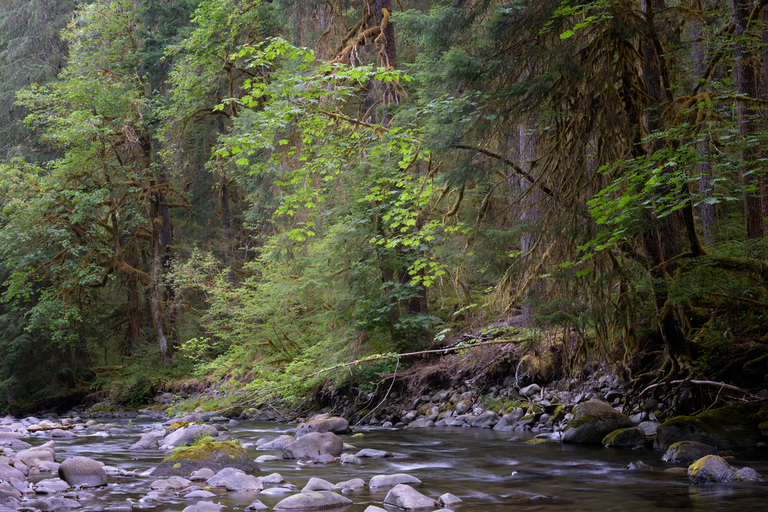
{"x":316,"y":440}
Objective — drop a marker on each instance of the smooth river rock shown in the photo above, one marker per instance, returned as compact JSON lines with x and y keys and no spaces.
{"x":406,"y":497}
{"x":313,"y":501}
{"x":335,"y":424}
{"x":82,"y":471}
{"x":188,"y":435}
{"x":392,"y":480}
{"x":313,"y":444}
{"x":277,"y":444}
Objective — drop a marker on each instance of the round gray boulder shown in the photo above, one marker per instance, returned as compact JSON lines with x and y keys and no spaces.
{"x":407,"y":498}
{"x":82,"y":471}
{"x":687,"y":451}
{"x":313,"y":444}
{"x":316,"y":500}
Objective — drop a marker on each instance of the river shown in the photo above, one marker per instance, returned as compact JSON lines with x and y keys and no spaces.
{"x":488,"y":472}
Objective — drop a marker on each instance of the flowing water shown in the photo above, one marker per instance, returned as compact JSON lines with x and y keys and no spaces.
{"x":488,"y":472}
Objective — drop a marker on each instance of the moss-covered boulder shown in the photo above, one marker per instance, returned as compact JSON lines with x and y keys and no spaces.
{"x":714,"y":469}
{"x":632,"y":437}
{"x":215,"y":455}
{"x":733,"y":427}
{"x":592,"y":421}
{"x":687,"y":451}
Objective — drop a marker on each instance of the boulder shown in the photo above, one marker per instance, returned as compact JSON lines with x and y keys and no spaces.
{"x":633,"y":437}
{"x":318,"y":484}
{"x":82,"y":471}
{"x":277,"y":444}
{"x":7,"y":472}
{"x":188,"y":435}
{"x":51,"y":485}
{"x":173,"y":483}
{"x":199,"y":494}
{"x":714,"y":469}
{"x":531,"y":390}
{"x":51,"y":504}
{"x":313,"y":501}
{"x":350,"y":460}
{"x":485,"y":420}
{"x":204,"y":506}
{"x":406,"y":497}
{"x":592,"y":421}
{"x":147,"y":442}
{"x":392,"y":480}
{"x":44,"y":452}
{"x":508,"y":421}
{"x":215,"y":455}
{"x":223,"y":477}
{"x":639,"y":465}
{"x":352,"y":485}
{"x":733,"y":427}
{"x":255,"y":506}
{"x":313,"y":444}
{"x":273,"y":479}
{"x":449,"y":499}
{"x":243,"y":482}
{"x":369,"y":453}
{"x":335,"y":424}
{"x":201,"y":475}
{"x":687,"y":452}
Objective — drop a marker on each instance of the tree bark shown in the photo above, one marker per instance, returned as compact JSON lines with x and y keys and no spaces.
{"x":746,"y":80}
{"x":704,"y":167}
{"x":530,"y":215}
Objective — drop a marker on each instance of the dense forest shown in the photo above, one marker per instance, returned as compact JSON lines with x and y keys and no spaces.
{"x":252,"y":191}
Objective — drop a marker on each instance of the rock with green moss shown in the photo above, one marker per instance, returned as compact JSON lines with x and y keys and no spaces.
{"x":714,"y":469}
{"x":687,"y":451}
{"x":592,"y":421}
{"x":632,"y":437}
{"x":215,"y":455}
{"x":733,"y":427}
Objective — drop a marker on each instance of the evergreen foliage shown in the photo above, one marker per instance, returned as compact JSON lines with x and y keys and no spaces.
{"x":256,"y":190}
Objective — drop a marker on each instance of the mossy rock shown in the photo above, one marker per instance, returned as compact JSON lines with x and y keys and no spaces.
{"x":176,"y":425}
{"x":733,"y":427}
{"x":541,"y":441}
{"x":559,"y":413}
{"x":763,"y":428}
{"x":631,"y":437}
{"x":215,"y":455}
{"x":687,"y":451}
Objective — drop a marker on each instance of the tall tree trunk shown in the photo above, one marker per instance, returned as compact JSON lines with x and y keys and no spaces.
{"x":530,"y":215}
{"x":156,"y":222}
{"x":746,"y":80}
{"x":704,"y":167}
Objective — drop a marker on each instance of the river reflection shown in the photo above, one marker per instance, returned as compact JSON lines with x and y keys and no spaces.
{"x":481,"y":467}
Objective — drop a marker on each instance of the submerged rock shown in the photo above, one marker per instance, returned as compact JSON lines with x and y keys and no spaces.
{"x":592,"y":421}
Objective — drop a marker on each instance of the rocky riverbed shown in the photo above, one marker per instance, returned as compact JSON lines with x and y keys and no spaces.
{"x":209,"y":462}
